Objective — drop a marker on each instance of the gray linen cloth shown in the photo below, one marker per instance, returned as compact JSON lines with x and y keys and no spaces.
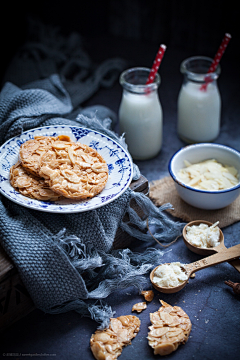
{"x":66,"y":261}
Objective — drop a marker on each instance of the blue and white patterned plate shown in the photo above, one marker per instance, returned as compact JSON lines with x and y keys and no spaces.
{"x":118,"y":161}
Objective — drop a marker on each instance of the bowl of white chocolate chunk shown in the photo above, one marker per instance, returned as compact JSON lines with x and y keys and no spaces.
{"x":206,"y":175}
{"x":203,"y":237}
{"x":166,"y":277}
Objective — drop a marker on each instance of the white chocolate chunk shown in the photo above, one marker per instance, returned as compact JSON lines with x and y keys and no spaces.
{"x":203,"y":236}
{"x":209,"y":175}
{"x":169,"y":275}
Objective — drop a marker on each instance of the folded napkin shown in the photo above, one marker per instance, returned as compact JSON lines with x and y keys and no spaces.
{"x":66,"y":261}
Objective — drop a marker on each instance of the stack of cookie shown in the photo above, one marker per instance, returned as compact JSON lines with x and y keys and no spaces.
{"x":50,"y":168}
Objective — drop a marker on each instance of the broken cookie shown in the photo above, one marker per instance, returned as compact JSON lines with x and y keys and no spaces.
{"x":170,"y":327}
{"x":107,"y":344}
{"x":148,"y":295}
{"x":139,"y":307}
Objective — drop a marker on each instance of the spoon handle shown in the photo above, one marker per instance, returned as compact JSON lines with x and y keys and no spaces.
{"x":235,"y":263}
{"x":227,"y":255}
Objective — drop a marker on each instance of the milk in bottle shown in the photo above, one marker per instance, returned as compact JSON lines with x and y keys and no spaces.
{"x":140,"y":114}
{"x":199,"y":110}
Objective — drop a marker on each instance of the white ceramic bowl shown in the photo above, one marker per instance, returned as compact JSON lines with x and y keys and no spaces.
{"x":208,"y":200}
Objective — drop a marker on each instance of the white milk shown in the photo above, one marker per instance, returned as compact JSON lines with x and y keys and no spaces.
{"x":140,"y":118}
{"x":199,"y":112}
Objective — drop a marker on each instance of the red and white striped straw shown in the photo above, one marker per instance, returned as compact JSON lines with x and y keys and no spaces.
{"x":156,"y":64}
{"x":216,"y":59}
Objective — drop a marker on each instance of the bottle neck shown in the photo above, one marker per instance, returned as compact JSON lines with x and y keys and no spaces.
{"x":134,"y":81}
{"x":200,"y":79}
{"x":195,"y":69}
{"x":144,"y":92}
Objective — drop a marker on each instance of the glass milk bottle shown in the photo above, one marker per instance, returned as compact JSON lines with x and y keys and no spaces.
{"x":198,"y":108}
{"x":140,"y":113}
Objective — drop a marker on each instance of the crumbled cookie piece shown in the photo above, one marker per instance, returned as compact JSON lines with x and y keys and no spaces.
{"x":107,"y":344}
{"x":74,"y":170}
{"x":139,"y":307}
{"x":170,"y":327}
{"x":30,"y":185}
{"x":148,"y":295}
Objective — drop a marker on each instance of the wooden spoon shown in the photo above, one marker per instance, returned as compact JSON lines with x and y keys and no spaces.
{"x":189,"y":269}
{"x":208,"y":251}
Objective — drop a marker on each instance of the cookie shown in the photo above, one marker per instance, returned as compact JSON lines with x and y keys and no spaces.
{"x":31,"y":151}
{"x":108,"y":343}
{"x":29,"y":185}
{"x":73,"y":170}
{"x":170,"y":327}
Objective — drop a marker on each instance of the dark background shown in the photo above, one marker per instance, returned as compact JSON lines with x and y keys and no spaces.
{"x":195,"y":26}
{"x":133,"y":30}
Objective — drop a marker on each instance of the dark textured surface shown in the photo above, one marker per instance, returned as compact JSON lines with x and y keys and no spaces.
{"x":212,"y":306}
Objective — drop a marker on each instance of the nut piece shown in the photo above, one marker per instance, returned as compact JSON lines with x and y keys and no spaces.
{"x":170,"y":327}
{"x":107,"y":344}
{"x":139,"y":307}
{"x":148,"y":295}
